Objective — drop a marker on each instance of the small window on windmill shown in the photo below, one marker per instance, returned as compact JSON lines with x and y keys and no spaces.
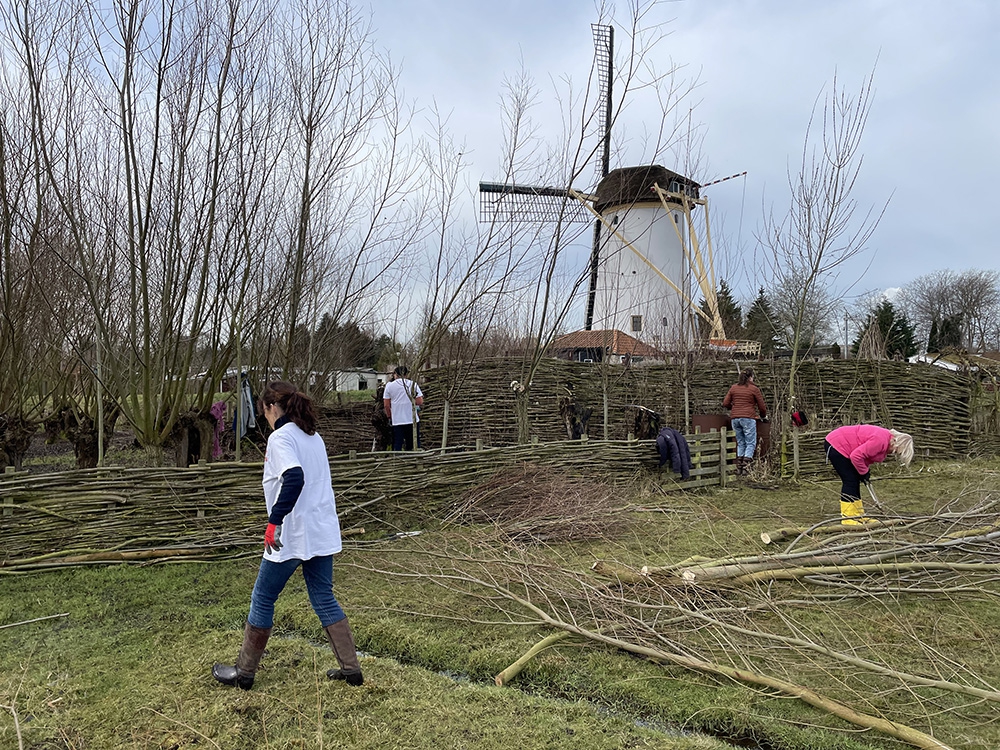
{"x":636,"y":323}
{"x":614,"y":220}
{"x":664,"y":322}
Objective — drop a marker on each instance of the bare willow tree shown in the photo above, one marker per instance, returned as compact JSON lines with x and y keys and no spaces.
{"x":37,"y":295}
{"x":212,"y":176}
{"x":473,"y":271}
{"x":968,"y":300}
{"x":349,"y":172}
{"x":812,"y":316}
{"x":823,"y":227}
{"x":164,"y":185}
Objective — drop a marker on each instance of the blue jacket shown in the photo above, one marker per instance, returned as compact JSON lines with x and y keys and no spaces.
{"x":673,"y":447}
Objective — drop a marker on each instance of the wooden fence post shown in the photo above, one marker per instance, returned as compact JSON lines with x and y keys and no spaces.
{"x":723,"y":464}
{"x":795,"y":454}
{"x":444,"y":425}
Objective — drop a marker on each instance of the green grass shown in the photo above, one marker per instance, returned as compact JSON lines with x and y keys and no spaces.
{"x":129,"y":666}
{"x":349,"y":397}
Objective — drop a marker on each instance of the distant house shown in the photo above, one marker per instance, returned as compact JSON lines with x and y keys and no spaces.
{"x":358,"y":379}
{"x":612,"y":346}
{"x":960,"y":361}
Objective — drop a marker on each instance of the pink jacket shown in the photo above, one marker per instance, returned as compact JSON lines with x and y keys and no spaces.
{"x":864,"y":444}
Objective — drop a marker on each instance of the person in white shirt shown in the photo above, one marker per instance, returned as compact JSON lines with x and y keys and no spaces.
{"x":302,"y":531}
{"x":402,"y":400}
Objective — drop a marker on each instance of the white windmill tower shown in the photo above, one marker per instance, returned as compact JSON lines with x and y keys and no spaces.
{"x":646,"y":256}
{"x":651,"y":257}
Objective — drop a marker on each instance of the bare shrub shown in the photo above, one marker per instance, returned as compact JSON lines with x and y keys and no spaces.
{"x":534,"y":504}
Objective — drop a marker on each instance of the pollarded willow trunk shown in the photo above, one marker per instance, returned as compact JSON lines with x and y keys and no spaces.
{"x":522,"y":400}
{"x":15,"y":438}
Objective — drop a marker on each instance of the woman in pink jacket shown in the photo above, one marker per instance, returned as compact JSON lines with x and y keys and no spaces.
{"x":852,"y":450}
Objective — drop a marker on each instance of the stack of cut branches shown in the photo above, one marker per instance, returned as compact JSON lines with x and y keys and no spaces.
{"x":531,"y":503}
{"x":874,"y":625}
{"x":888,"y":552}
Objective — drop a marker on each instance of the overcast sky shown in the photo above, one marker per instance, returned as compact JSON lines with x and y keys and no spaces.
{"x":931,"y":145}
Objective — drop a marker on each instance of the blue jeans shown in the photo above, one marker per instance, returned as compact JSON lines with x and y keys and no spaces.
{"x":271,"y":579}
{"x":746,"y":436}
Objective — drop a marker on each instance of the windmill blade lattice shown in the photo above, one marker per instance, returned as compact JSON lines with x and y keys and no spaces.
{"x":604,"y":49}
{"x":528,"y":203}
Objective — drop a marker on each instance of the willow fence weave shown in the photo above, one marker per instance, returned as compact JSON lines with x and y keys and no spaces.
{"x":120,"y":514}
{"x":931,"y":403}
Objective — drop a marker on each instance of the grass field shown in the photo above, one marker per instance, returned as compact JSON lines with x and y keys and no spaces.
{"x":125,"y":661}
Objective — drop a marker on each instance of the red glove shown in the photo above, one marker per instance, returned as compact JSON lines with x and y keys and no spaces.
{"x":272,"y":538}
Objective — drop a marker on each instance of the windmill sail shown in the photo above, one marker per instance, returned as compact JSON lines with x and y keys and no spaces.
{"x":528,"y":203}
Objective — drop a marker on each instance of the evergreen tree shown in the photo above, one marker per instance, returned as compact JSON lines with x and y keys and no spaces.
{"x":900,"y":337}
{"x":950,"y":333}
{"x":729,"y":311}
{"x":889,"y":332}
{"x":760,"y":324}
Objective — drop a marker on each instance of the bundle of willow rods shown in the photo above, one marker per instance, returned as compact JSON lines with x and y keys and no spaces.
{"x":530,"y":503}
{"x":218,"y":507}
{"x":955,"y":547}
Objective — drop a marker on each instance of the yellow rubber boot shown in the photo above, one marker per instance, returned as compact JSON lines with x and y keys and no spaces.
{"x":852,"y":513}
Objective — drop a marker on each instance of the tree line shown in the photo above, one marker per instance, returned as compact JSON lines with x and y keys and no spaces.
{"x":936,"y":312}
{"x":191,"y":189}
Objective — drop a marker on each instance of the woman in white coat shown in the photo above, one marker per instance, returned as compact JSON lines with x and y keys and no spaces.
{"x":302,"y":531}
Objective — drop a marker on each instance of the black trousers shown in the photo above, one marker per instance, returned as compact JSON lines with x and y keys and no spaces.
{"x":402,"y":437}
{"x":850,"y":488}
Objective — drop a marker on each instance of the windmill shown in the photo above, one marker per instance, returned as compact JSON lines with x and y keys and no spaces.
{"x":645,"y":249}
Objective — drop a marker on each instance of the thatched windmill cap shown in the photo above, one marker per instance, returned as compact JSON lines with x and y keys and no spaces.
{"x":634,"y":185}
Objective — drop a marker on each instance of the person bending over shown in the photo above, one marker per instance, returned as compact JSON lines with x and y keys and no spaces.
{"x":852,"y":450}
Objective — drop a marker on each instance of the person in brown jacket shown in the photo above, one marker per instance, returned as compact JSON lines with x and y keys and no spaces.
{"x":744,"y":402}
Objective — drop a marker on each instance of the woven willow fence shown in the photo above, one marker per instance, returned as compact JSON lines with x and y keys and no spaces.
{"x":931,"y":403}
{"x":107,"y":514}
{"x":122,"y":514}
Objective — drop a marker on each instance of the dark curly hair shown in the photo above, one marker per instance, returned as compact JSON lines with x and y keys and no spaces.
{"x":296,"y":405}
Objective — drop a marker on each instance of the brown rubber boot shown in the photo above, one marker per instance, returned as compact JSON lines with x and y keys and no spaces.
{"x":241,"y":674}
{"x":342,"y":642}
{"x":739,"y":466}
